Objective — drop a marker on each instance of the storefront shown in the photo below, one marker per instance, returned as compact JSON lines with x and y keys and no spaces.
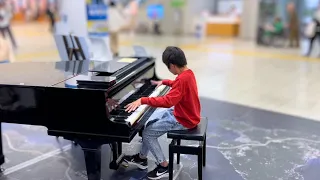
{"x":269,"y":10}
{"x":29,"y":10}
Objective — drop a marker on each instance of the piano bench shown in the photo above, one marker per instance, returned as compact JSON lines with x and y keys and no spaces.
{"x":196,"y":134}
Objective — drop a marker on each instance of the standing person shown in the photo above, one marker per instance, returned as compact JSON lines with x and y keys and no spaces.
{"x":50,"y":13}
{"x":185,"y":115}
{"x":5,"y":20}
{"x":6,"y":54}
{"x":293,"y":25}
{"x":132,"y":14}
{"x":315,"y":25}
{"x":115,"y":24}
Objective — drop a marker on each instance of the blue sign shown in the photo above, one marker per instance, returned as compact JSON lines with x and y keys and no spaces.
{"x":96,"y":12}
{"x":97,"y":19}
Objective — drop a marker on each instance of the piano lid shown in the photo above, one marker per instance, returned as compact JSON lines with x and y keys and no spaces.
{"x":40,"y":73}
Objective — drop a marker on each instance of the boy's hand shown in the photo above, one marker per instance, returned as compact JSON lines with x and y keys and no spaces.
{"x":112,"y":104}
{"x":133,"y":106}
{"x":158,"y":83}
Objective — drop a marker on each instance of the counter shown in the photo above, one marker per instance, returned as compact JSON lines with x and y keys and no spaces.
{"x":222,"y":26}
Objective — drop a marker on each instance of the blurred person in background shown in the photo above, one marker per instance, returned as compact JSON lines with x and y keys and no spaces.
{"x":115,"y":24}
{"x":50,"y":11}
{"x":131,"y":12}
{"x":293,"y":25}
{"x":233,"y":12}
{"x":6,"y":54}
{"x":313,"y":30}
{"x":5,"y":21}
{"x":276,"y":28}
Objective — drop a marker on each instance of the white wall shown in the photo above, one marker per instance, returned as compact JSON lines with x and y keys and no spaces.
{"x":193,"y":11}
{"x":169,"y":24}
{"x":76,"y":12}
{"x":225,"y":5}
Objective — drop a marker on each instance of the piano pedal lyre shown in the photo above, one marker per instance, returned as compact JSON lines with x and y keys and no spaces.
{"x":2,"y":169}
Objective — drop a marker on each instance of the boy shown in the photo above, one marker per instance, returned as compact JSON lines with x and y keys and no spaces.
{"x":186,"y":114}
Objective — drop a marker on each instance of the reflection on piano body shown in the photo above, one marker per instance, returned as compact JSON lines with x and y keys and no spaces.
{"x":35,"y":94}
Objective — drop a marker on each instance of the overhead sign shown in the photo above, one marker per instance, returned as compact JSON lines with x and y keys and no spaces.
{"x":177,"y":3}
{"x":97,"y":19}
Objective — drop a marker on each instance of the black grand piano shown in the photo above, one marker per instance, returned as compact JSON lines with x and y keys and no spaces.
{"x":74,"y":100}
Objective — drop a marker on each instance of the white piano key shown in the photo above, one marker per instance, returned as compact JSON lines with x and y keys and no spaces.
{"x":141,"y":109}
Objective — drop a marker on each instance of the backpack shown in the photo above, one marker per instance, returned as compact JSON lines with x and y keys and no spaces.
{"x":310,"y":30}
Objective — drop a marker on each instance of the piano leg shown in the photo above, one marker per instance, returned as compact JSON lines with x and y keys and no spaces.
{"x":117,"y":156}
{"x":1,"y":150}
{"x":93,"y":161}
{"x":119,"y":148}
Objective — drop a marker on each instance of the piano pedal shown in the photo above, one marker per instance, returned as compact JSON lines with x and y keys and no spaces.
{"x":74,"y":143}
{"x":2,"y":169}
{"x":124,"y":164}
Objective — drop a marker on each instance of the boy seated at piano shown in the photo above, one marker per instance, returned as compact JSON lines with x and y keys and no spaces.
{"x":183,"y":96}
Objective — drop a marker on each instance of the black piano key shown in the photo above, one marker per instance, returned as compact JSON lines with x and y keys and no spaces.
{"x":126,"y":114}
{"x":115,"y":112}
{"x":119,"y":119}
{"x":144,"y":91}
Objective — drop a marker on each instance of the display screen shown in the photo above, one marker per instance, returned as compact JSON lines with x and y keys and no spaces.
{"x":155,"y":11}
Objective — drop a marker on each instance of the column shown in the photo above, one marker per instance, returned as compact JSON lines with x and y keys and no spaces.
{"x":249,"y":19}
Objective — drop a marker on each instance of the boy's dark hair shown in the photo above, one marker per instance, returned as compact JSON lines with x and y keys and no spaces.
{"x":174,"y":55}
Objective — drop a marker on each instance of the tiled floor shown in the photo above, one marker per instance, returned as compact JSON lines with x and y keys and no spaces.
{"x":244,"y":142}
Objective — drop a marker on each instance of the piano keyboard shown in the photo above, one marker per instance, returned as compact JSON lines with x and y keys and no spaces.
{"x":147,"y":90}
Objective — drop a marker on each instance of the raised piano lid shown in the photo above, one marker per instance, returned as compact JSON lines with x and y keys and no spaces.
{"x":40,"y":73}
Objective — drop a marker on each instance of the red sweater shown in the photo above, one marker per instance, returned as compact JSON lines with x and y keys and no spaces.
{"x":183,"y":96}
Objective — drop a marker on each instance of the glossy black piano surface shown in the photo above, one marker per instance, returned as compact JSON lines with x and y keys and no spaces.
{"x":72,"y":99}
{"x":40,"y":94}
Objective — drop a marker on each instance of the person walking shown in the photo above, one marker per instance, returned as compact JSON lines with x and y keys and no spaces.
{"x":293,"y":26}
{"x":50,"y":11}
{"x":313,"y":31}
{"x":115,"y":24}
{"x":5,"y":21}
{"x":6,"y":54}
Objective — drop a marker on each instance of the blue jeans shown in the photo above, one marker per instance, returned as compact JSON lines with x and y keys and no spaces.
{"x":161,"y":121}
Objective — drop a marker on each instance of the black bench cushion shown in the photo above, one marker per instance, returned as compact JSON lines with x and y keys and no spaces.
{"x":197,"y":133}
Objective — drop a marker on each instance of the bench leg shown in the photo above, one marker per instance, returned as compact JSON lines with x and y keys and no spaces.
{"x":171,"y":155}
{"x":200,"y":163}
{"x":178,"y":154}
{"x":204,"y":150}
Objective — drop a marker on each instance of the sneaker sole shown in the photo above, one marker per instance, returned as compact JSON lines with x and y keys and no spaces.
{"x":135,"y":164}
{"x":160,"y":177}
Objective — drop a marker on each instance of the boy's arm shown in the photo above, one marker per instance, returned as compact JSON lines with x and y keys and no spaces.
{"x":167,"y":82}
{"x":167,"y":101}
